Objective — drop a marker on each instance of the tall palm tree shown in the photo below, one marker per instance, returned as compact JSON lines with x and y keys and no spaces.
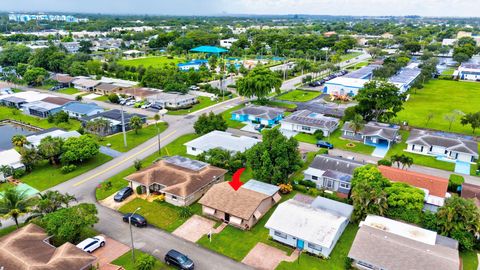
{"x":15,"y":203}
{"x":357,"y":123}
{"x":19,"y":140}
{"x":51,"y":148}
{"x":396,"y":159}
{"x":136,"y":123}
{"x":50,"y":201}
{"x":98,"y":126}
{"x":29,"y":157}
{"x":406,"y":161}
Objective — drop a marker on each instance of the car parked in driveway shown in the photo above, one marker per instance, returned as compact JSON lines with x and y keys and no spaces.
{"x":137,"y":220}
{"x":91,"y":244}
{"x":123,"y":194}
{"x":179,"y":260}
{"x":324,"y":144}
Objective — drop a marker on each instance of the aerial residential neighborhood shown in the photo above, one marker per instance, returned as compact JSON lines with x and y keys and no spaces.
{"x":213,"y":135}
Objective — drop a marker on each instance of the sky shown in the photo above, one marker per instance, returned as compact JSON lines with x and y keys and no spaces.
{"x":451,"y":8}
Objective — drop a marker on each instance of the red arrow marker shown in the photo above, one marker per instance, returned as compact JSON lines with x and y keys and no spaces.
{"x":236,"y":183}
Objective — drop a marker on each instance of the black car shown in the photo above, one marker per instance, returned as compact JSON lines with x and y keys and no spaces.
{"x":137,"y":220}
{"x":123,"y":194}
{"x":324,"y":144}
{"x":177,"y":259}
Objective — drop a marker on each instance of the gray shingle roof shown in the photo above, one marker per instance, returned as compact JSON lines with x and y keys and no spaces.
{"x":450,"y":141}
{"x":309,"y":118}
{"x":260,"y":111}
{"x":385,"y":131}
{"x":335,"y":164}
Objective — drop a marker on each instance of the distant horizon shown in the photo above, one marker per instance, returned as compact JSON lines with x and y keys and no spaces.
{"x":211,"y":8}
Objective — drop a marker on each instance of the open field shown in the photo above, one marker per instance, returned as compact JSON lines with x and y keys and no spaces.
{"x":299,"y":96}
{"x":151,"y":61}
{"x":439,"y":98}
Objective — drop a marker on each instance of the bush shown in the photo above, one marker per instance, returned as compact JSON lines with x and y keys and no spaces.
{"x":113,"y":98}
{"x":185,"y":212}
{"x":322,"y":151}
{"x":454,"y":182}
{"x":137,"y":164}
{"x":139,"y":190}
{"x":384,"y":162}
{"x":68,"y":168}
{"x":300,"y":188}
{"x":107,"y":185}
{"x":308,"y":183}
{"x":145,"y":262}
{"x":18,"y":173}
{"x":159,"y":198}
{"x":318,"y":134}
{"x":285,"y":188}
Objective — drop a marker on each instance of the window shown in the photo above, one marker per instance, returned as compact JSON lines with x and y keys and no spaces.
{"x":174,"y":197}
{"x":344,"y":185}
{"x":306,"y":128}
{"x":314,"y":177}
{"x":280,"y":234}
{"x":314,"y":247}
{"x":194,"y":149}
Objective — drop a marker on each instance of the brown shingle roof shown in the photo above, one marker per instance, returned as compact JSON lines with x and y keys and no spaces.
{"x":25,"y":249}
{"x":108,"y":87}
{"x":471,"y":191}
{"x":63,"y":78}
{"x":241,"y":203}
{"x":139,"y":92}
{"x":436,"y":186}
{"x":394,"y":252}
{"x":177,"y":180}
{"x":57,"y":100}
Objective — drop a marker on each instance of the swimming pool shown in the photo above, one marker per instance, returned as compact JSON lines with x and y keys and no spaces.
{"x":10,"y":130}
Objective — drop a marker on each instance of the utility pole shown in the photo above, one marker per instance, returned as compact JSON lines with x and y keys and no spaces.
{"x":123,"y":129}
{"x":131,"y":233}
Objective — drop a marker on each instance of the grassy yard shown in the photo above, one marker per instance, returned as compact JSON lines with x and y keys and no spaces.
{"x":299,"y":95}
{"x":68,"y":91}
{"x":448,"y":71}
{"x":278,"y":104}
{"x":357,"y":65}
{"x":441,"y":97}
{"x":204,"y":102}
{"x":337,"y":257}
{"x":4,"y":186}
{"x":101,"y":98}
{"x":349,"y":56}
{"x":13,"y":114}
{"x":153,"y":61}
{"x":338,"y":142}
{"x":422,"y":160}
{"x":174,"y":148}
{"x":133,"y":140}
{"x":227,"y":115}
{"x":126,"y":261}
{"x":236,"y":243}
{"x":469,"y":260}
{"x":46,"y":176}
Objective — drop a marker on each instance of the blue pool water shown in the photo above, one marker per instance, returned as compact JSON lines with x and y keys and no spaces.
{"x":7,"y":131}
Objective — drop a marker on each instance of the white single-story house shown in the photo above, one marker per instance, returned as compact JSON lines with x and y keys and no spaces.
{"x":78,"y":109}
{"x":220,"y":139}
{"x":405,"y":78}
{"x":332,"y":173}
{"x":227,"y":43}
{"x":85,"y":84}
{"x":442,"y":145}
{"x":19,"y":99}
{"x":306,"y":121}
{"x":350,"y":83}
{"x":172,"y":100}
{"x":36,"y":138}
{"x":314,"y":226}
{"x":468,"y":71}
{"x":11,"y":158}
{"x":373,"y":133}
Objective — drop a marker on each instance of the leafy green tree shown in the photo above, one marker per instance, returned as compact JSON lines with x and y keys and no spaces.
{"x":78,"y":69}
{"x":12,"y":55}
{"x":52,"y":200}
{"x":357,"y":123}
{"x":374,"y":52}
{"x":68,"y":224}
{"x":224,"y":159}
{"x":85,"y":46}
{"x":145,"y":262}
{"x":379,"y":100}
{"x":259,"y":82}
{"x":29,"y":157}
{"x":472,"y":119}
{"x":79,"y":149}
{"x":275,"y":158}
{"x":15,"y":203}
{"x":209,"y":122}
{"x":94,"y":67}
{"x":412,"y":46}
{"x":35,"y":76}
{"x":51,"y":148}
{"x":136,"y":123}
{"x":404,"y":202}
{"x":19,"y":140}
{"x":368,"y":192}
{"x":459,"y":218}
{"x":401,"y":160}
{"x":114,"y":98}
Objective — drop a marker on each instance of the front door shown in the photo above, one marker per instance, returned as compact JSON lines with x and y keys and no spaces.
{"x":227,"y":217}
{"x":300,"y":244}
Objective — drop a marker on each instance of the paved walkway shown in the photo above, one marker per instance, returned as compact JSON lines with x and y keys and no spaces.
{"x":111,"y":251}
{"x":109,"y":151}
{"x":265,"y":257}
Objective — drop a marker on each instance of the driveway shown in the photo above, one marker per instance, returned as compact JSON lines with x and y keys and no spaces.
{"x":112,"y":204}
{"x":111,"y":251}
{"x":194,"y":228}
{"x":265,"y":257}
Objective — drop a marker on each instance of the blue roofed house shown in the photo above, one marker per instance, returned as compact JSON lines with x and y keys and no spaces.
{"x":78,"y":109}
{"x":195,"y":64}
{"x":267,"y":116}
{"x":332,"y":173}
{"x":310,"y":224}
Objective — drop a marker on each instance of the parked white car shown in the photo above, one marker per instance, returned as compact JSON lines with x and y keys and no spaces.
{"x":91,"y":244}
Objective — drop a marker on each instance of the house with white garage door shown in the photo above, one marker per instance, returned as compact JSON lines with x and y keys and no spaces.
{"x":222,"y":140}
{"x":445,"y":146}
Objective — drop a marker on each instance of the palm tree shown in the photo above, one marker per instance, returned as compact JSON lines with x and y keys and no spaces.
{"x":396,"y":159}
{"x":406,"y":161}
{"x":357,"y":123}
{"x":50,"y":201}
{"x":51,"y":148}
{"x":19,"y":140}
{"x":98,"y":126}
{"x":15,"y":203}
{"x":136,"y":123}
{"x":29,"y":157}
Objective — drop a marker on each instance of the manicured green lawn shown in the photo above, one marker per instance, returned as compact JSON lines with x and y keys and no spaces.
{"x":337,"y":257}
{"x":4,"y":186}
{"x":153,"y":61}
{"x":306,"y":138}
{"x":101,"y":98}
{"x":68,"y":91}
{"x":46,"y":176}
{"x":349,"y":56}
{"x":299,"y":95}
{"x":469,"y":260}
{"x":357,"y":65}
{"x":236,"y":243}
{"x":338,"y":142}
{"x":278,"y":104}
{"x":441,"y":97}
{"x":204,"y":102}
{"x":160,"y":214}
{"x":176,"y":147}
{"x":422,"y":160}
{"x":227,"y":115}
{"x":448,"y":71}
{"x":13,"y":114}
{"x":133,"y":140}
{"x":126,"y":261}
